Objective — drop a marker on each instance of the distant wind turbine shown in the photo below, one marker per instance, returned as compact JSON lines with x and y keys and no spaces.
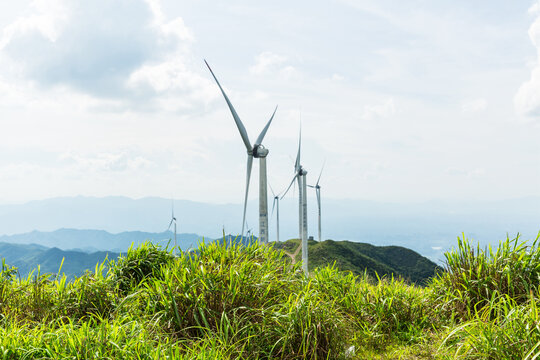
{"x":300,"y":176}
{"x":173,"y":220}
{"x":274,"y":203}
{"x":317,"y":188}
{"x":255,"y":151}
{"x":248,"y":234}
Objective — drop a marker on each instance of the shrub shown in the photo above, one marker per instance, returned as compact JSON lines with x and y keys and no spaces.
{"x":140,"y":263}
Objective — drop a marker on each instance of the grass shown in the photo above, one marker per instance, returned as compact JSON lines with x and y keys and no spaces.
{"x":252,"y":302}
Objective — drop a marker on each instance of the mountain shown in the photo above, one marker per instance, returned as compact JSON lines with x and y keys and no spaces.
{"x":429,"y":228}
{"x":360,"y":257}
{"x":27,"y":258}
{"x":98,"y":240}
{"x":348,"y":256}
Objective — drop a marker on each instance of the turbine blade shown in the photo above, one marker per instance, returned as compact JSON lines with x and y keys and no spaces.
{"x":297,"y":163}
{"x":237,"y":120}
{"x":292,"y":182}
{"x":273,"y":204}
{"x":263,"y":132}
{"x":321,"y":173}
{"x":273,"y":193}
{"x":248,"y":176}
{"x":311,"y":186}
{"x":168,"y":228}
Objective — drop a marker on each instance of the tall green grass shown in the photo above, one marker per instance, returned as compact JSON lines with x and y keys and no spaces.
{"x":492,"y":297}
{"x":476,"y":277}
{"x":230,"y":301}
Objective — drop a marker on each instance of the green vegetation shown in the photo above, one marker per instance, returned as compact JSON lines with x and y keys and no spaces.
{"x":249,"y":302}
{"x":358,"y":258}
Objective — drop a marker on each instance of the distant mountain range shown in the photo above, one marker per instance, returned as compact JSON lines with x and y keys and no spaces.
{"x":27,"y":258}
{"x":428,"y":228}
{"x":348,"y":256}
{"x":99,"y":240}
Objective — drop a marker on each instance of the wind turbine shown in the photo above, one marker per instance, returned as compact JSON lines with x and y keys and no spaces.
{"x":173,"y":220}
{"x":276,"y":201}
{"x":255,"y":151}
{"x":317,"y":188}
{"x":300,"y":176}
{"x":248,"y":234}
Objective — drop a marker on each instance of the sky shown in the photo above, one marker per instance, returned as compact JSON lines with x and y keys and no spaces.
{"x":405,"y":101}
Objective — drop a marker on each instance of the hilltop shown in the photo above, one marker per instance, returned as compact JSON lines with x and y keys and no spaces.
{"x":359,"y":257}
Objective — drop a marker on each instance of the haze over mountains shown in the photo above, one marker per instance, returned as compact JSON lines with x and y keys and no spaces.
{"x":428,"y":228}
{"x":98,"y":240}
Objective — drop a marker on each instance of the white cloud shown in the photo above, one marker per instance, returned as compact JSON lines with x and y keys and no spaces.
{"x":337,"y":77}
{"x":535,"y":8}
{"x":270,"y":63}
{"x":175,"y":27}
{"x":108,"y":49}
{"x":266,"y":62}
{"x":122,"y":161}
{"x":527,"y":99}
{"x":390,"y":99}
{"x":173,"y":78}
{"x":472,"y":106}
{"x":48,"y":20}
{"x":378,"y":111}
{"x":474,"y":173}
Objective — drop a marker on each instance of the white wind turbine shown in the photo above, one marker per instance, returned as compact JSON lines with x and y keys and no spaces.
{"x":255,"y":151}
{"x":276,"y":201}
{"x":173,"y":220}
{"x":317,"y":188}
{"x":300,"y":176}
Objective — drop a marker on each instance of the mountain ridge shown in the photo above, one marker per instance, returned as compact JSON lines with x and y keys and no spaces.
{"x":347,"y":255}
{"x":429,"y":227}
{"x":90,"y":240}
{"x":359,"y":257}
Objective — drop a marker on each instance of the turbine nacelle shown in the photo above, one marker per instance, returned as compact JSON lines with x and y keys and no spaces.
{"x":259,"y":151}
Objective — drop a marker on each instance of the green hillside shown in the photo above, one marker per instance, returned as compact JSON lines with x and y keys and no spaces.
{"x":359,"y":257}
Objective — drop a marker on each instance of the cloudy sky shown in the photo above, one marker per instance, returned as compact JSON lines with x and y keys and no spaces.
{"x":406,"y":101}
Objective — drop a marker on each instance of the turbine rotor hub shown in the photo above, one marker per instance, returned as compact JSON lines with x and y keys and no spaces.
{"x":259,"y":151}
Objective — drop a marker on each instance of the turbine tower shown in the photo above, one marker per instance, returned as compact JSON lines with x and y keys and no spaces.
{"x":317,"y":188}
{"x":173,"y":220}
{"x":300,"y":176}
{"x":255,"y":151}
{"x":276,"y":201}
